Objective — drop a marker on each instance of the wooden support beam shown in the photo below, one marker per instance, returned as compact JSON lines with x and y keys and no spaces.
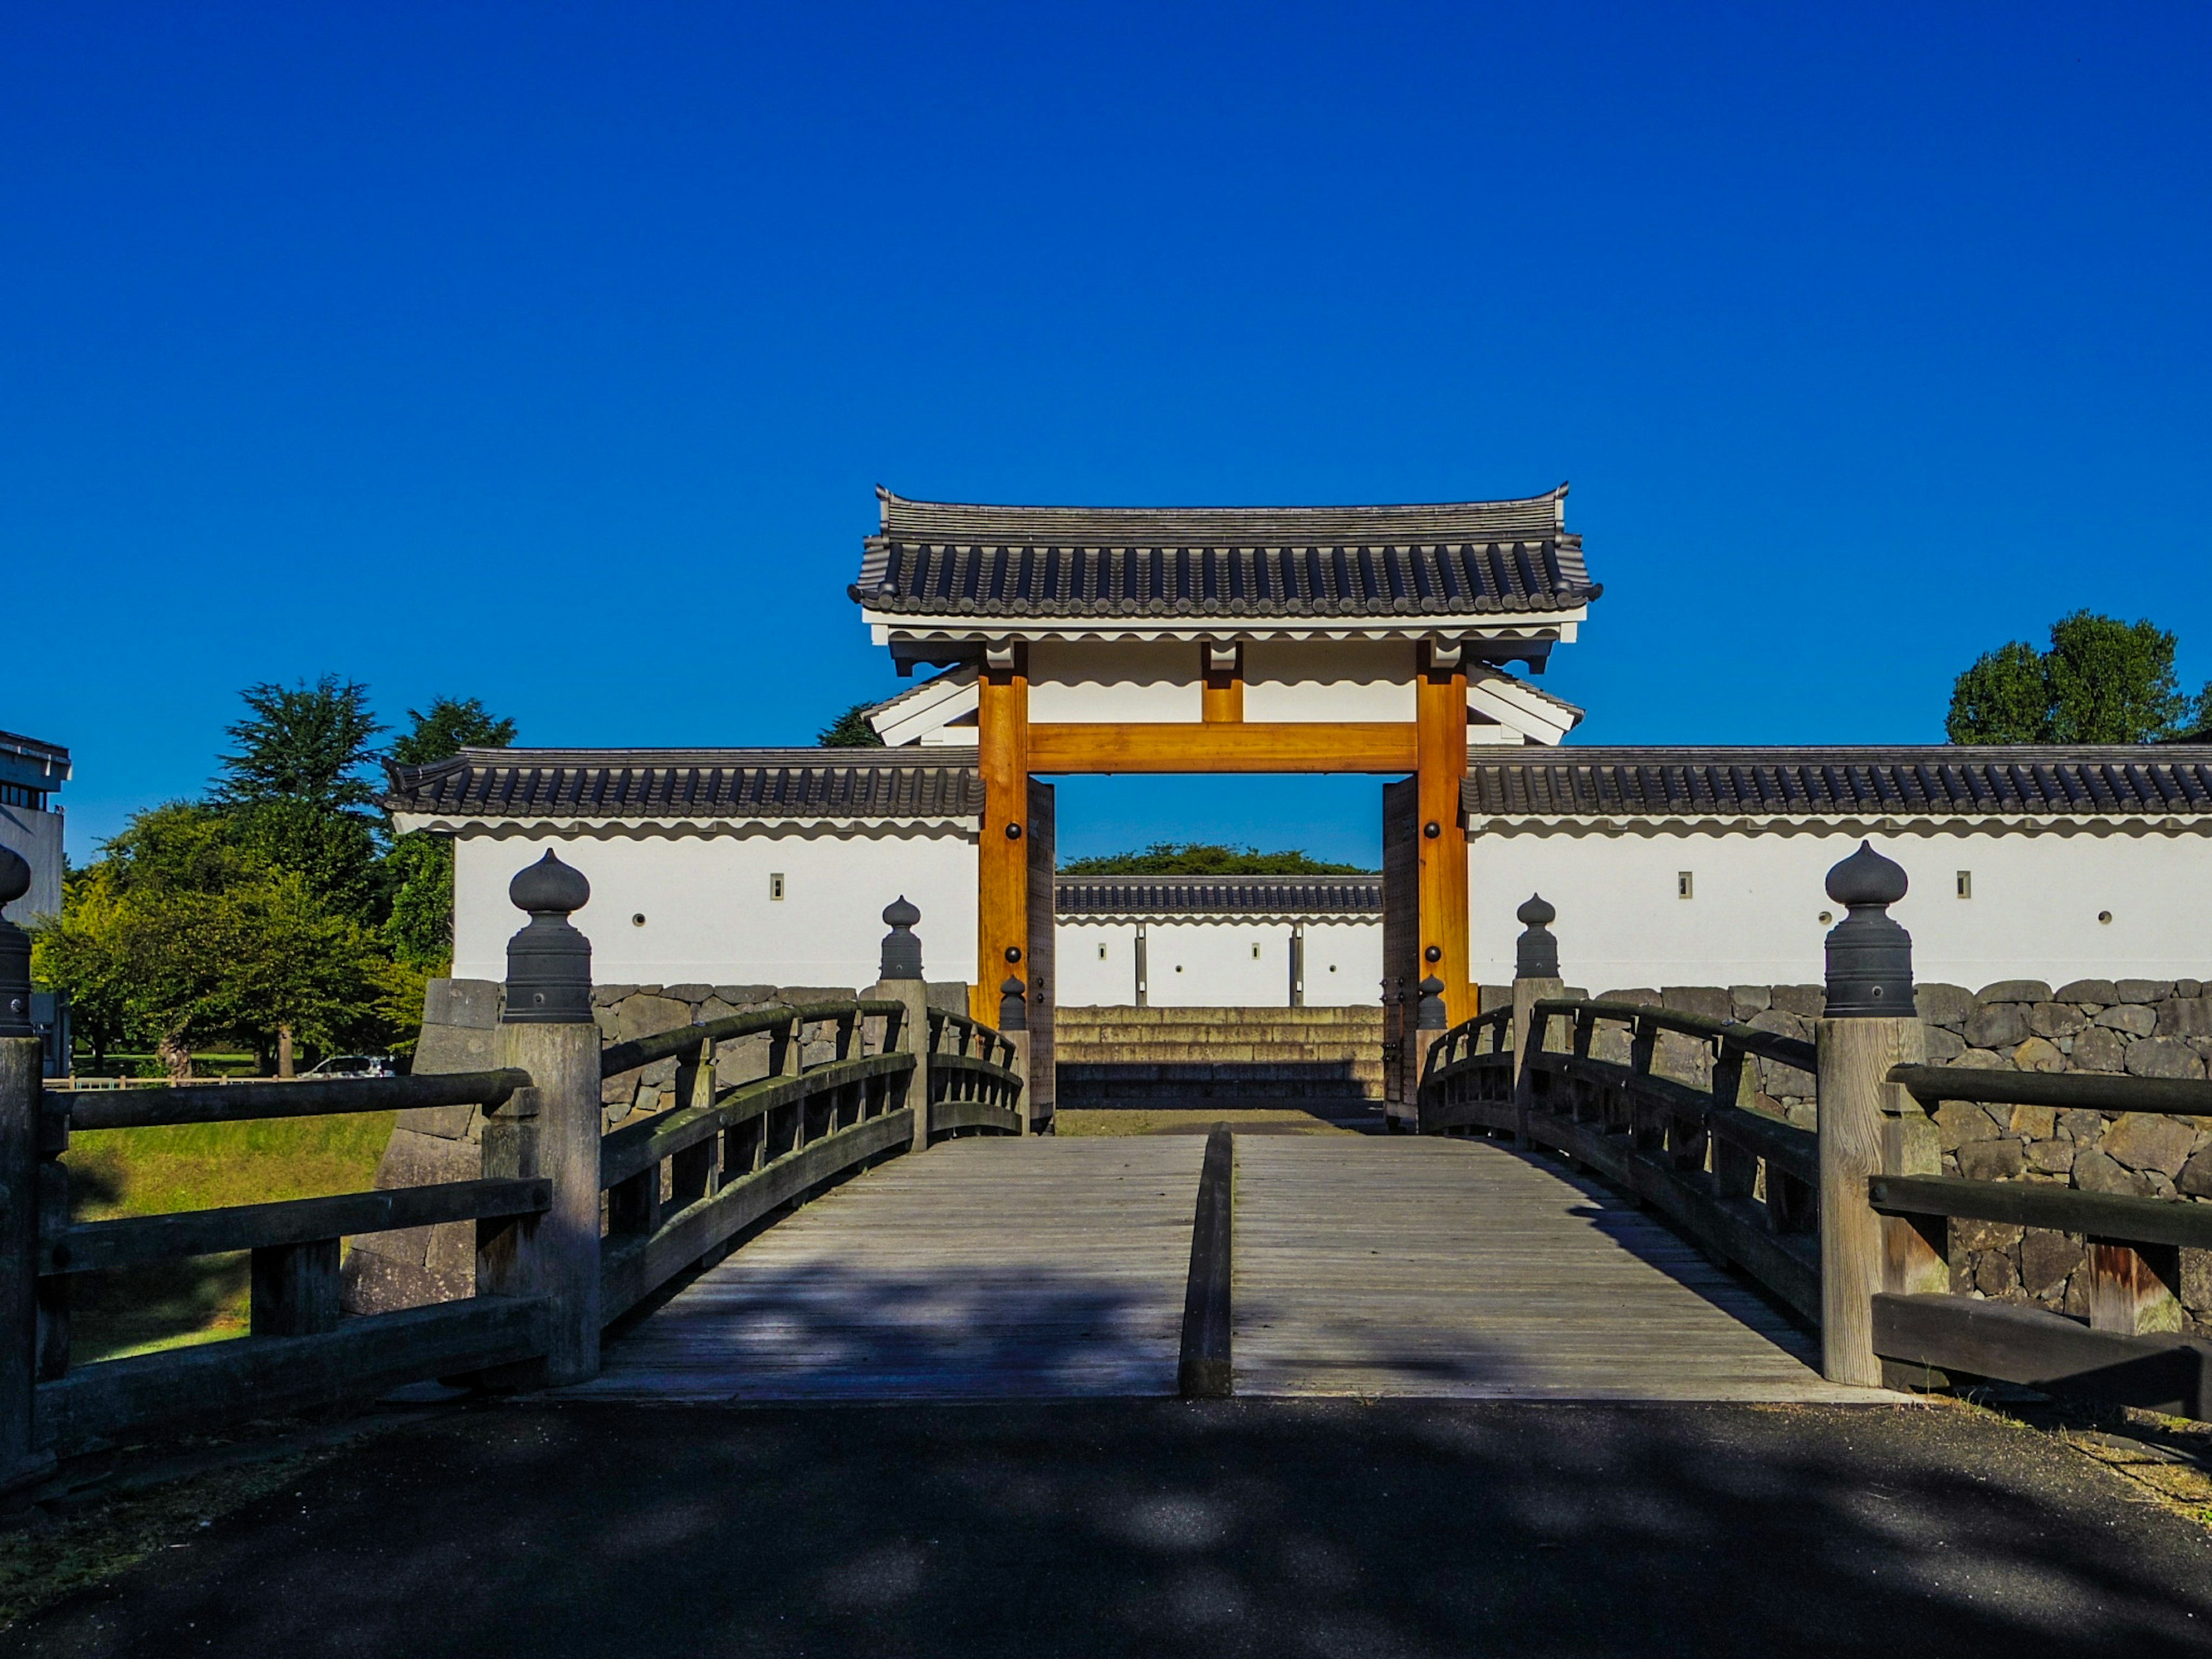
{"x":1222,"y":699}
{"x":1248,"y":746}
{"x":1002,"y":921}
{"x":1440,"y":725}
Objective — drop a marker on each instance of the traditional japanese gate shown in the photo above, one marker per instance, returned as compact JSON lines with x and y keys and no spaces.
{"x":1281,"y":640}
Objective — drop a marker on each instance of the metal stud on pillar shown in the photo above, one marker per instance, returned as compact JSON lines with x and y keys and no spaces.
{"x":1535,"y":979}
{"x":548,"y":1031}
{"x":901,"y":982}
{"x":1867,"y":1126}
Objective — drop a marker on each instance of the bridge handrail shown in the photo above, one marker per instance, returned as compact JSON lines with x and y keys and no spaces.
{"x":2171,"y":1096}
{"x":942,"y":1020}
{"x":680,"y":1040}
{"x":1743,"y":1181}
{"x":297,"y":1352}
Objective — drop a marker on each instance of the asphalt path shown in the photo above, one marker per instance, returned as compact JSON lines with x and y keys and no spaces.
{"x":1158,"y":1528}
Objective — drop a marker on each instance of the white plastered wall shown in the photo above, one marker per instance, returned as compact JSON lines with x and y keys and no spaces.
{"x":1754,"y":917}
{"x":1123,"y":682}
{"x":708,"y":916}
{"x":1311,"y":680}
{"x":1344,"y":963}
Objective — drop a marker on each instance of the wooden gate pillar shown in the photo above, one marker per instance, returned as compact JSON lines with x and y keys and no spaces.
{"x":1002,"y":875}
{"x":1440,"y":738}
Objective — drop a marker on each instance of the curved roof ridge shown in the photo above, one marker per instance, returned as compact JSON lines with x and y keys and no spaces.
{"x":997,"y":524}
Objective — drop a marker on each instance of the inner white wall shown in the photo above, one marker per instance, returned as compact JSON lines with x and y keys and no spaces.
{"x":1344,"y":963}
{"x":1754,"y":915}
{"x":708,"y":918}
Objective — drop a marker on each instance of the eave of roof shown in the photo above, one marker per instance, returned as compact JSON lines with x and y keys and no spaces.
{"x":1933,"y":781}
{"x":1105,"y":897}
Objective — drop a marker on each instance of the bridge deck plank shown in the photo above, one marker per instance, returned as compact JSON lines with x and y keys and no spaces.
{"x":1458,"y":1268}
{"x":984,"y":1268}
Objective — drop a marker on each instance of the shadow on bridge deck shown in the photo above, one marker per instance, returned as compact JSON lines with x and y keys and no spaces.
{"x":1322,"y":1529}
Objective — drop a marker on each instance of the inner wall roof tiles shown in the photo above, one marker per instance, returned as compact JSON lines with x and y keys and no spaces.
{"x":1360,"y":895}
{"x":766,"y":783}
{"x":2076,"y":782}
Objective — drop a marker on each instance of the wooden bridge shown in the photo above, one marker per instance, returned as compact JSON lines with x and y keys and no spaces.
{"x":1574,"y":1222}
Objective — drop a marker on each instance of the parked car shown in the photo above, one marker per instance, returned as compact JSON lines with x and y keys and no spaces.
{"x":353,"y":1066}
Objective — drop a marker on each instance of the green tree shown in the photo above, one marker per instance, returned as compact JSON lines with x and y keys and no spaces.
{"x":420,"y":929}
{"x":2101,"y":681}
{"x":851,"y":730}
{"x":448,"y":726}
{"x":1195,"y":857}
{"x":303,"y":743}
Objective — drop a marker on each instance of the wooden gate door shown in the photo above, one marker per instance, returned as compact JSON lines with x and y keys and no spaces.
{"x":1043,"y":921}
{"x":1401,"y":943}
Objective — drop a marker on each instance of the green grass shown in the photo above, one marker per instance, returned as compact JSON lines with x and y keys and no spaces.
{"x":198,"y":1166}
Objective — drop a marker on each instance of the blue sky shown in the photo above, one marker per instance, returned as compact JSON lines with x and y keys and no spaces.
{"x":548,"y":353}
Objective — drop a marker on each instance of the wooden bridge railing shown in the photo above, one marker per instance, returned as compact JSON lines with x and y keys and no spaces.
{"x":1847,"y":1225}
{"x":1741,"y":1181}
{"x":574,"y":1228}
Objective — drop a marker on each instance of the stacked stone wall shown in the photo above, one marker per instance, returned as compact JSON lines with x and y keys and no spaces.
{"x":2129,"y":1027}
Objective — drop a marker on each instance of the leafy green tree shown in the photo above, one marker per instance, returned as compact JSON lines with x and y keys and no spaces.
{"x":1194,"y":858}
{"x":420,"y":930}
{"x":2101,"y":681}
{"x":303,"y":743}
{"x":448,"y":726}
{"x":851,"y":730}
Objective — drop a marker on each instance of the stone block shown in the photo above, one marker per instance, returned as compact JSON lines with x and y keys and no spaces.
{"x":2195,"y":1290}
{"x":715,"y":1008}
{"x":411,"y":1159}
{"x":2077,"y":1123}
{"x":1944,"y":1047}
{"x":2033,"y":1122}
{"x":456,"y":1049}
{"x":1704,"y":1001}
{"x":2163,"y":1057}
{"x":2046,"y":1259}
{"x":2145,"y":990}
{"x":1749,"y":999}
{"x":649,"y":1100}
{"x":2195,"y":1176}
{"x":1991,"y":1160}
{"x":2142,"y":1140}
{"x":1983,"y":1060}
{"x":2056,"y":1020}
{"x":2189,"y":988}
{"x":2099,"y":1049}
{"x":2096,"y":1173}
{"x":2038,"y":1054}
{"x":2101,"y":991}
{"x":1993,"y":1274}
{"x":1782,"y":1024}
{"x":1943,"y":1005}
{"x":1642,"y":997}
{"x":644,"y":1016}
{"x":2054,"y":1157}
{"x":474,"y":1003}
{"x":372,"y":1283}
{"x":2014,"y":990}
{"x":1980,"y":1236}
{"x":620,"y":1089}
{"x":693,"y":993}
{"x":2185,"y":1016}
{"x":1997,"y":1025}
{"x":605,"y":996}
{"x":2132,"y":1018}
{"x":1807,"y":1001}
{"x":445,"y":1122}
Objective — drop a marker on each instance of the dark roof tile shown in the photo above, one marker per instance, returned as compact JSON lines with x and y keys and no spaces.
{"x":656,"y":783}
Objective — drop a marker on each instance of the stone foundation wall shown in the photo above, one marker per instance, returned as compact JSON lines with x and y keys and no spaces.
{"x":460,"y":1033}
{"x":2132,"y":1027}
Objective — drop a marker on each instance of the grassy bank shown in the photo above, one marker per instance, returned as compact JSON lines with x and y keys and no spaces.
{"x":118,"y":1172}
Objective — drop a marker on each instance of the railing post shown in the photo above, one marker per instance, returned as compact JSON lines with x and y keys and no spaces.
{"x":548,"y":1032}
{"x":1535,"y":979}
{"x":1014,"y":1026}
{"x":1867,"y":1123}
{"x":20,"y":1086}
{"x":901,"y":982}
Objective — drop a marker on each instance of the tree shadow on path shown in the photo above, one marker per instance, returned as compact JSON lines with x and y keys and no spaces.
{"x":1159,"y":1528}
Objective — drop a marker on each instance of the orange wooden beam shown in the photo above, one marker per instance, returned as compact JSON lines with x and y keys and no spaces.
{"x":1244,"y":746}
{"x":1221,"y":700}
{"x":1002,"y":896}
{"x":1440,"y":717}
